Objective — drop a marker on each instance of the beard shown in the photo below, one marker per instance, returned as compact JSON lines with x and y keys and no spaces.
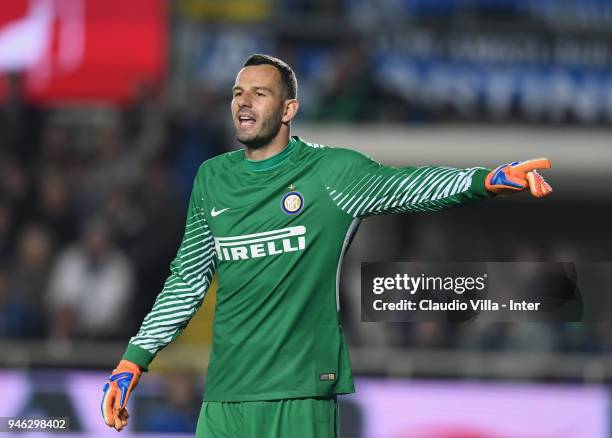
{"x":268,"y":131}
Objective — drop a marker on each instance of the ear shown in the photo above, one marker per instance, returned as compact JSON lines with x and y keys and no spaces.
{"x":291,"y":109}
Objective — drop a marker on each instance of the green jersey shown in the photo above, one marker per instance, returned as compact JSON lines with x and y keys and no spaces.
{"x":275,"y":232}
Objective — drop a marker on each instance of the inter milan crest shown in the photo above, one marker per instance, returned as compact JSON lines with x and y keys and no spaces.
{"x":293,"y":201}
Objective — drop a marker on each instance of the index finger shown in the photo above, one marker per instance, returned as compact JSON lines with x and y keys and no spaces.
{"x":534,"y":163}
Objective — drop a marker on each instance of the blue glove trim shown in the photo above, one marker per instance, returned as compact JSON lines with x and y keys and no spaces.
{"x":104,"y":390}
{"x":499,"y":177}
{"x":123,"y":382}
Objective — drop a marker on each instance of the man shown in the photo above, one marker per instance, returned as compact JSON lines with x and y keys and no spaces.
{"x":273,"y":221}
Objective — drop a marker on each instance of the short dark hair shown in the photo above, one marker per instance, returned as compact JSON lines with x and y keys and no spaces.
{"x":287,"y":75}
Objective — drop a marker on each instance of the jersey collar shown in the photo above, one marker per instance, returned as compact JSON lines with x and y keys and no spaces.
{"x":274,"y":161}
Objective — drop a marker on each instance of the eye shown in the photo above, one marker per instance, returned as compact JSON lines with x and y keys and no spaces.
{"x":259,"y":93}
{"x":237,"y":93}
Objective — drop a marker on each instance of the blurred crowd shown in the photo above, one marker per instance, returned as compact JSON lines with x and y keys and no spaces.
{"x":470,"y":234}
{"x":92,"y":206}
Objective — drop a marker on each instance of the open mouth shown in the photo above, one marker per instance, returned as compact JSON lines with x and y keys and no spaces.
{"x":246,"y":121}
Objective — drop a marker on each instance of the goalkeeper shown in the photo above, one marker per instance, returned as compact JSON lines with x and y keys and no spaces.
{"x":273,"y":221}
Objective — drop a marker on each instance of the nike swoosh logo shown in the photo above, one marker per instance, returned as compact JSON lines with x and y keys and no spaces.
{"x":214,"y":212}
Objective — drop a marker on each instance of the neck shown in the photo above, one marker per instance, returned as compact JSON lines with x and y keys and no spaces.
{"x":277,"y":144}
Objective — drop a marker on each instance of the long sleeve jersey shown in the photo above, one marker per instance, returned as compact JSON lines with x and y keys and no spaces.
{"x":275,"y":232}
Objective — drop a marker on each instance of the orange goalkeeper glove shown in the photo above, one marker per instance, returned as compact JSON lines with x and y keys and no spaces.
{"x":117,"y":392}
{"x":517,"y":176}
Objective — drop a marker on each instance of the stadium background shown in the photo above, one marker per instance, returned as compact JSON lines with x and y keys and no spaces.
{"x":108,"y":107}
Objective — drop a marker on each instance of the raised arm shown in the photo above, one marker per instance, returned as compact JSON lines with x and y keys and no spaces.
{"x":363,"y":187}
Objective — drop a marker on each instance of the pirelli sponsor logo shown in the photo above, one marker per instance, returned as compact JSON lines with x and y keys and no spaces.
{"x":267,"y":243}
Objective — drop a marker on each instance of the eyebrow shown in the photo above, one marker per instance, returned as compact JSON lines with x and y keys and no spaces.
{"x":238,"y":87}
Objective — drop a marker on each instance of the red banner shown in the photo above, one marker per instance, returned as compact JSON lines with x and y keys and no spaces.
{"x":84,"y":50}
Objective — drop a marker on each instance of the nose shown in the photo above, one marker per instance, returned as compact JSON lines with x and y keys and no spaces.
{"x":243,"y":100}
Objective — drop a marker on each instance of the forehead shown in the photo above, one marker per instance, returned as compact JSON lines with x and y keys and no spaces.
{"x":258,"y":76}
